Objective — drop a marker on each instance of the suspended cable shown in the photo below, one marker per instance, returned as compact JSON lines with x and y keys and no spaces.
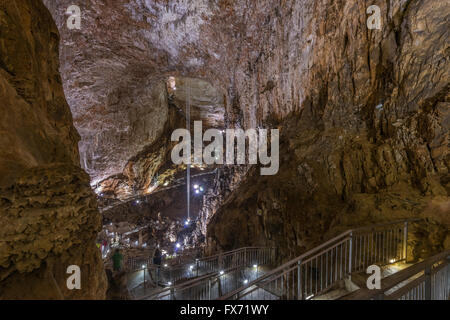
{"x":188,"y":127}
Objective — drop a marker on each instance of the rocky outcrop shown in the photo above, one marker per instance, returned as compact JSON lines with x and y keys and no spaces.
{"x":370,"y":139}
{"x":363,"y":113}
{"x":50,"y":221}
{"x":115,"y":81}
{"x":48,"y":212}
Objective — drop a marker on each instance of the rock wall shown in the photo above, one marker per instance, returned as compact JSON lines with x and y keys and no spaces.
{"x":363,"y":113}
{"x":366,"y":137}
{"x":48,"y":212}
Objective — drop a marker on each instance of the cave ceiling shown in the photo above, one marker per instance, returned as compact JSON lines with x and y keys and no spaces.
{"x":252,"y":61}
{"x":115,"y":70}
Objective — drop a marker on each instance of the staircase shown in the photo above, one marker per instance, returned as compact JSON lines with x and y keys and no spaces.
{"x":327,"y":271}
{"x":206,"y":278}
{"x":425,"y":280}
{"x":331,"y":271}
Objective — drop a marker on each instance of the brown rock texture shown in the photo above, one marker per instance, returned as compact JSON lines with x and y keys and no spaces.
{"x":370,"y":139}
{"x":363,"y":113}
{"x":48,"y":213}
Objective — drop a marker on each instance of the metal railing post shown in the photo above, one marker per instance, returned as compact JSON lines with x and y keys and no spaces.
{"x":428,"y":283}
{"x":446,"y":291}
{"x":299,"y":280}
{"x":158,"y":270}
{"x":405,"y":239}
{"x":209,"y":289}
{"x":350,"y":256}
{"x":197,"y":265}
{"x":144,"y":283}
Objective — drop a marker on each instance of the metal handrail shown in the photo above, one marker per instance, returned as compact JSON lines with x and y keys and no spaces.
{"x":172,"y":275}
{"x":241,"y":259}
{"x":182,"y":285}
{"x":185,"y":285}
{"x":343,"y":254}
{"x":431,"y":281}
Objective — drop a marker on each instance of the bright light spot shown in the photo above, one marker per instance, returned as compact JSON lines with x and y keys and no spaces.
{"x":221,"y":272}
{"x":245,"y":281}
{"x":201,"y":189}
{"x":255,"y":266}
{"x":191,"y":267}
{"x":309,"y":297}
{"x":169,"y":283}
{"x":137,"y":201}
{"x":195,"y":186}
{"x":172,"y":83}
{"x":151,"y":188}
{"x":392,"y":260}
{"x":197,"y":191}
{"x":143,"y":266}
{"x":165,"y":265}
{"x":166,"y":183}
{"x":178,"y":245}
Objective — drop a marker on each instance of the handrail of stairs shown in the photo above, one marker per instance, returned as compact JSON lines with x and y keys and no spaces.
{"x":201,"y":284}
{"x":426,"y":280}
{"x":320,"y":268}
{"x":212,"y":266}
{"x":201,"y":266}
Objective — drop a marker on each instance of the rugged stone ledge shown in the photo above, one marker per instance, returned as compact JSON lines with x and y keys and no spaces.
{"x":48,"y":213}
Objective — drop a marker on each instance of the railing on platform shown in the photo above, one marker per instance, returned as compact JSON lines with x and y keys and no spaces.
{"x":199,"y":267}
{"x":317,"y":270}
{"x":218,"y":275}
{"x":426,"y":280}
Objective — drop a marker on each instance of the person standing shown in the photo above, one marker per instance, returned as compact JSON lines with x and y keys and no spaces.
{"x":117,"y":260}
{"x":157,"y":257}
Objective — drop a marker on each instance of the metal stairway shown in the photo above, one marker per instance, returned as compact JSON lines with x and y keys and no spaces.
{"x":328,"y":266}
{"x":206,"y":278}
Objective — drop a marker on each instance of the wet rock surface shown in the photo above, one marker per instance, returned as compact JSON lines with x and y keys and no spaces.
{"x":48,"y":213}
{"x":363,"y":113}
{"x":370,"y":139}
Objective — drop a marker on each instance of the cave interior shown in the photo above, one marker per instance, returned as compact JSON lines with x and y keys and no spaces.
{"x":357,"y":120}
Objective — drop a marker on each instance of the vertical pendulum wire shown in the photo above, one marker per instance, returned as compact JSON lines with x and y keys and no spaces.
{"x":188,"y":171}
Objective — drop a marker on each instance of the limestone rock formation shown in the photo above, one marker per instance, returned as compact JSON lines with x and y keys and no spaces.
{"x":370,"y":139}
{"x":363,"y":113}
{"x":48,"y":213}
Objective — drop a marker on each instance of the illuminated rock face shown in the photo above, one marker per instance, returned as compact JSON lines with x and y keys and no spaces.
{"x":363,"y":113}
{"x":48,"y":213}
